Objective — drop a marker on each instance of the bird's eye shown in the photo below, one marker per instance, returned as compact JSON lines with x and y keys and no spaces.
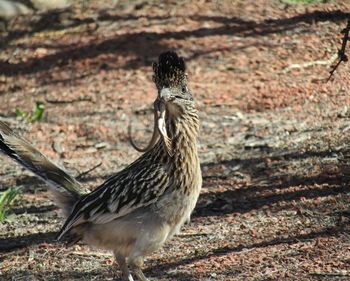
{"x":184,"y":89}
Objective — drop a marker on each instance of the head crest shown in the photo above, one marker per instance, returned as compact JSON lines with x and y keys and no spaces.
{"x":170,"y":70}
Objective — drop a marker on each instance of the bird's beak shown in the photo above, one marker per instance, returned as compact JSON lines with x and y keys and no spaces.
{"x":165,"y":95}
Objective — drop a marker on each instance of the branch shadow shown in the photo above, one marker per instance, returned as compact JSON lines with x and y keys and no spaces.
{"x":52,"y":275}
{"x":269,"y":186}
{"x":229,"y":201}
{"x":64,"y":18}
{"x":34,"y":209}
{"x":134,"y":43}
{"x":327,"y":232}
{"x":14,"y":243}
{"x":50,"y":20}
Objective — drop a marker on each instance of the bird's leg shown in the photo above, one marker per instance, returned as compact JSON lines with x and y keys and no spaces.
{"x":139,"y":274}
{"x":136,"y":265}
{"x":126,"y":275}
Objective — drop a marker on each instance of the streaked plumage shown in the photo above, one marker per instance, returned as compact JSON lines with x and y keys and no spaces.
{"x":136,"y":210}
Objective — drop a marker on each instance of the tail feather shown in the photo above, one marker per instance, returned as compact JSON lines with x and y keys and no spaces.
{"x":65,"y":189}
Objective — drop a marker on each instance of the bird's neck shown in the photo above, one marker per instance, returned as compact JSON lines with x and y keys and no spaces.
{"x":184,"y":162}
{"x":183,"y":132}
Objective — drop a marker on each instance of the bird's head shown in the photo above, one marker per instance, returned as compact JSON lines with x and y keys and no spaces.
{"x":171,"y":80}
{"x":174,"y":99}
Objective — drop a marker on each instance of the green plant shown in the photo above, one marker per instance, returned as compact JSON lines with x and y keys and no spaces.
{"x":36,"y":115}
{"x":6,"y":199}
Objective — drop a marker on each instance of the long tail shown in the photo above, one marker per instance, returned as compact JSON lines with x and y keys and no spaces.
{"x":65,"y":189}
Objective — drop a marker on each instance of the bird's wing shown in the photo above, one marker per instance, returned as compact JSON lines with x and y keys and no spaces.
{"x":136,"y":186}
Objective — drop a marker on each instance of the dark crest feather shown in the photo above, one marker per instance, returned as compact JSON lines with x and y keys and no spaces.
{"x":170,"y":70}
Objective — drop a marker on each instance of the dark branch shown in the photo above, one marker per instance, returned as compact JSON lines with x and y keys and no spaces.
{"x":83,"y":174}
{"x":341,"y":53}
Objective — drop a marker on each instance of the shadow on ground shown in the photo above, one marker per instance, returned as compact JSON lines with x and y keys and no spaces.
{"x":133,"y":43}
{"x":239,"y":200}
{"x":14,"y":243}
{"x":10,"y":244}
{"x":329,"y":232}
{"x":267,"y":184}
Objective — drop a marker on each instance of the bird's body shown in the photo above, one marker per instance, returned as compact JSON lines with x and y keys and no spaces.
{"x":139,"y":208}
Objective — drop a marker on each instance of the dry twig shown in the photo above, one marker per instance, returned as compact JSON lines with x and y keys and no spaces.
{"x":330,"y":61}
{"x":341,"y":53}
{"x":81,"y":175}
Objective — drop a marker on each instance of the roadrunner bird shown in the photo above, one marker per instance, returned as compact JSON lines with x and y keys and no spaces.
{"x":136,"y":210}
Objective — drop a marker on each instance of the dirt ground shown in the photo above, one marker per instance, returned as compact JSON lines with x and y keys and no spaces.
{"x":273,"y":145}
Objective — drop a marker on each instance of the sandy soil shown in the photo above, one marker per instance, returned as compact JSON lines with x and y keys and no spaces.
{"x":273,"y":146}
